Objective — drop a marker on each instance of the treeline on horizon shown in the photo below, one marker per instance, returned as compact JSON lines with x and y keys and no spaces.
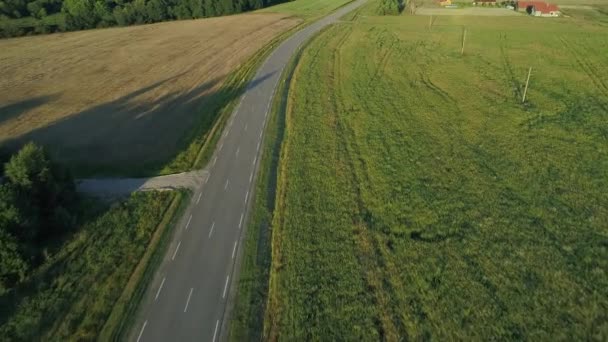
{"x":23,"y":17}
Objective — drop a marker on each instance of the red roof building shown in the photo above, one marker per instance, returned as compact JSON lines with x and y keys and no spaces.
{"x":538,"y":8}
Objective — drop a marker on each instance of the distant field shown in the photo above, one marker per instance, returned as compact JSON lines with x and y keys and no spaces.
{"x":306,"y":8}
{"x":579,"y":2}
{"x":597,"y":13}
{"x":124,"y":100}
{"x":419,"y":199}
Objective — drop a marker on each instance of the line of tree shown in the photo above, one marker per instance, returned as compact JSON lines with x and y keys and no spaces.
{"x":19,"y":17}
{"x":391,"y":7}
{"x":37,"y":202}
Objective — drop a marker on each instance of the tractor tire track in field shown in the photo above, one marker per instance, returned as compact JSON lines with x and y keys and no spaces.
{"x":372,"y":258}
{"x":515,"y":85}
{"x":367,"y":257}
{"x":426,"y":80}
{"x":385,"y":53}
{"x":586,"y":66}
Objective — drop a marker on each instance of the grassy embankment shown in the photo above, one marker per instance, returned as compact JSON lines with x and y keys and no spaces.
{"x":82,"y":285}
{"x":419,"y":198}
{"x":247,"y":320}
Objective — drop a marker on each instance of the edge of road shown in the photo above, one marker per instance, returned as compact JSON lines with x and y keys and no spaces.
{"x":279,"y":107}
{"x":119,"y":318}
{"x":242,"y":76}
{"x":236,"y":269}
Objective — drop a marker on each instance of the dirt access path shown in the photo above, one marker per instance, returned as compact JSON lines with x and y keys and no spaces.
{"x":124,"y":186}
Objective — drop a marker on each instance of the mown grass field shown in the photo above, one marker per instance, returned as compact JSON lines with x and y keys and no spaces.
{"x":419,"y":199}
{"x":72,"y":296}
{"x":128,"y":101}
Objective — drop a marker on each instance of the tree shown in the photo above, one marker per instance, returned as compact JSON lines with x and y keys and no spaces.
{"x":41,"y":192}
{"x":80,"y":13}
{"x":14,"y":8}
{"x":10,"y":216}
{"x":13,"y":267}
{"x":122,"y":16}
{"x":156,"y":10}
{"x":102,"y":13}
{"x":35,"y":8}
{"x":224,"y":7}
{"x":28,"y":168}
{"x":209,"y":8}
{"x":196,"y":8}
{"x":182,"y":11}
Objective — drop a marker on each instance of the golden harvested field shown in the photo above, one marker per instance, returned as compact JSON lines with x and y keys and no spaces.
{"x":124,"y":99}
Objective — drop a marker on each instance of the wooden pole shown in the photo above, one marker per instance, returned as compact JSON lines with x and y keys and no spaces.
{"x":526,"y":88}
{"x":464,"y":38}
{"x":430,"y":22}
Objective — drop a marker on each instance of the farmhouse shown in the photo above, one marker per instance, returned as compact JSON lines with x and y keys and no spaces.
{"x":538,"y":8}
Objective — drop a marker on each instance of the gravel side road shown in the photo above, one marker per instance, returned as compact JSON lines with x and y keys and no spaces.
{"x":124,"y":186}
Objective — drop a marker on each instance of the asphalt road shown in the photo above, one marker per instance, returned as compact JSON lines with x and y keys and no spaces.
{"x":187,"y":298}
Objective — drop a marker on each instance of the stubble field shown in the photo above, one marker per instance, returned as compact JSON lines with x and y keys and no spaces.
{"x":125,"y":100}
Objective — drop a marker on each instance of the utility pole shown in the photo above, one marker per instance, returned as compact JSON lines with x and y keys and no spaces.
{"x":526,"y":88}
{"x":464,"y":38}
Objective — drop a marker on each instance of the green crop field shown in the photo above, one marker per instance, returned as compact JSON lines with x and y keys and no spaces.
{"x":419,"y":198}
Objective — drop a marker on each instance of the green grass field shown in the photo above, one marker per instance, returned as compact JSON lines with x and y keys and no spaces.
{"x":419,"y":199}
{"x":72,"y":296}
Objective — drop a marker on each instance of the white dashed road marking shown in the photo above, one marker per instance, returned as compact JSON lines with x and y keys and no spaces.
{"x":188,"y":300}
{"x":159,"y":289}
{"x":176,"y":249}
{"x":211,"y":230}
{"x":190,"y":218}
{"x":225,"y":287}
{"x":215,"y":332}
{"x":146,"y":322}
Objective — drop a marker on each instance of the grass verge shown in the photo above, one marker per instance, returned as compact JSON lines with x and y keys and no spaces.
{"x":73,"y":294}
{"x":123,"y":313}
{"x":203,"y":139}
{"x":247,"y":322}
{"x":207,"y":133}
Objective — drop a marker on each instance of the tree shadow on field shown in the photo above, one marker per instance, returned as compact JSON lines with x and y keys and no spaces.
{"x":131,"y":137}
{"x":15,"y":109}
{"x":109,"y":128}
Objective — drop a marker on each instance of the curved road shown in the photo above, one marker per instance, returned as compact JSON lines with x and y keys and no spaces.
{"x":187,"y":299}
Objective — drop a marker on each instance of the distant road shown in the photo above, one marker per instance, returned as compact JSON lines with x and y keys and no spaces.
{"x":187,"y":298}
